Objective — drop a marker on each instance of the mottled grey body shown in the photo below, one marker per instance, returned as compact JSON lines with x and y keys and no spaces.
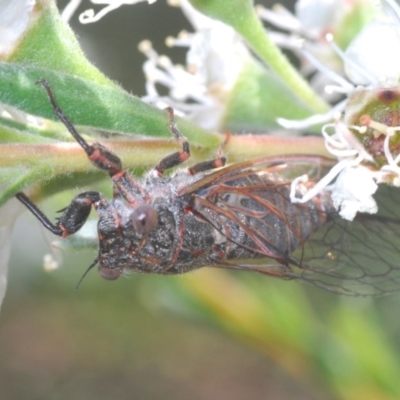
{"x":244,"y":216}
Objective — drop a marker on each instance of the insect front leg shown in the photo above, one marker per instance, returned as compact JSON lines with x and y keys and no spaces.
{"x":73,"y":216}
{"x":101,"y":157}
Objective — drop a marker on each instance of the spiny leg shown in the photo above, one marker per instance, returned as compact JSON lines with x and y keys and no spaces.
{"x":73,"y":216}
{"x":101,"y":157}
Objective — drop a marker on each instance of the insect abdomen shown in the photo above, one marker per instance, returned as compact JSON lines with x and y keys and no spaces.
{"x":257,"y":218}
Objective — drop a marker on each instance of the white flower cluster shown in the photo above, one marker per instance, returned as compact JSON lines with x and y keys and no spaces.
{"x":370,"y":60}
{"x":215,"y":58}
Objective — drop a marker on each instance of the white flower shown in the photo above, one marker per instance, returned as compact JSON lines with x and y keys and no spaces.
{"x":306,"y":36}
{"x":352,"y":192}
{"x":215,"y":59}
{"x":312,"y":19}
{"x":371,"y":59}
{"x":375,"y":50}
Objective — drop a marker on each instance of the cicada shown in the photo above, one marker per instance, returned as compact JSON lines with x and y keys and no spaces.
{"x":235,"y":217}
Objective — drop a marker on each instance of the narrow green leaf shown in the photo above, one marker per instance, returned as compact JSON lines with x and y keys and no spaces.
{"x":89,"y":103}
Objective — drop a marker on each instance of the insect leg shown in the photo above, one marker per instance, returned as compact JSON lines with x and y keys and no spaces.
{"x":180,"y":156}
{"x":100,"y":156}
{"x":73,"y":216}
{"x":207,"y":165}
{"x":217,"y":162}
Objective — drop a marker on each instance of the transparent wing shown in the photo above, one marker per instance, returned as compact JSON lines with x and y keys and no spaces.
{"x":361,"y":257}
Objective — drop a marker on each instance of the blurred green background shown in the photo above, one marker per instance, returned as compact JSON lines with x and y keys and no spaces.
{"x":203,"y":336}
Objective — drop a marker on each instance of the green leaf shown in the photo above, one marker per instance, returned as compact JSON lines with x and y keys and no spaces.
{"x":89,"y":103}
{"x":255,"y":102}
{"x":50,"y":43}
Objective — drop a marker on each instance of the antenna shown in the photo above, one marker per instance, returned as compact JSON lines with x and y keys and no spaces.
{"x":86,"y":272}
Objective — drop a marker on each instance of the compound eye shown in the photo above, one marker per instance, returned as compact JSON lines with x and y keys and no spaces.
{"x":111,"y":274}
{"x":144,"y":219}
